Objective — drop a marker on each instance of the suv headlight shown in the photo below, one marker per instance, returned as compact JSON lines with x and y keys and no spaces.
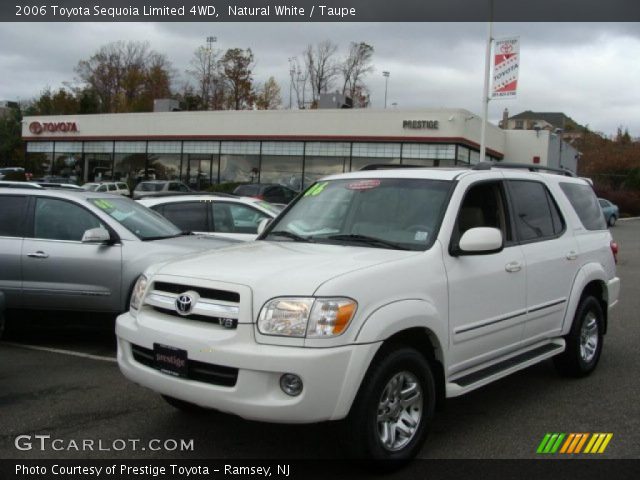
{"x":137,"y":293}
{"x":306,"y":317}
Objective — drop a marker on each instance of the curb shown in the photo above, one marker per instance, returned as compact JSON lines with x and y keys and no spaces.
{"x":628,"y":218}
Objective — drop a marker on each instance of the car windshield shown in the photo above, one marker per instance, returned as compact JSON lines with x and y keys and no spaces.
{"x":403,"y":214}
{"x":150,"y":187}
{"x":141,"y":221}
{"x":92,"y":187}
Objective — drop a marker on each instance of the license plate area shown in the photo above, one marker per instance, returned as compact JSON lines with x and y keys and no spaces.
{"x":171,"y":360}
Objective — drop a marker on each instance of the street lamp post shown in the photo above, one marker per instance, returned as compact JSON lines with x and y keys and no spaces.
{"x":386,"y":84}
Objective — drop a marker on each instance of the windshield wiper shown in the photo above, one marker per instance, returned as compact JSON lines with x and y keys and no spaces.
{"x":163,"y":237}
{"x":291,"y":235}
{"x":373,"y":241}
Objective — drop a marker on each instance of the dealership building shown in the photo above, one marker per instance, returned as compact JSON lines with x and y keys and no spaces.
{"x":291,"y":147}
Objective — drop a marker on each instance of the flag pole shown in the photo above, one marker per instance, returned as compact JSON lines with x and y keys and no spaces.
{"x":485,"y":92}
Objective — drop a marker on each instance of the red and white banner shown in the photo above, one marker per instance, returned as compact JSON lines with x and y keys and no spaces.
{"x":506,"y":63}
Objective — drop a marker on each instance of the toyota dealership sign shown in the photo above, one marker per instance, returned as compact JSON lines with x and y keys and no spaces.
{"x":38,"y":128}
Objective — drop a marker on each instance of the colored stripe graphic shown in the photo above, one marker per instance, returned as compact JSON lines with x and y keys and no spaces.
{"x":573,"y":443}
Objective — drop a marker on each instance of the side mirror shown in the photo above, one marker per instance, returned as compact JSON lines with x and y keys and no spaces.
{"x":96,"y":235}
{"x":480,"y":241}
{"x":262,"y":226}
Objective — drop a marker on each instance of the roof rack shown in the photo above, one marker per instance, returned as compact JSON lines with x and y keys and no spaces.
{"x":388,"y":166}
{"x":522,"y":166}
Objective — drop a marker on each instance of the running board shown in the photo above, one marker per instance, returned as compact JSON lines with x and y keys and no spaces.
{"x":489,"y":374}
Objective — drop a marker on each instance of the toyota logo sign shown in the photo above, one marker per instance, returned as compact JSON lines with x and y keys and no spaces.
{"x":36,"y":128}
{"x":185,"y":302}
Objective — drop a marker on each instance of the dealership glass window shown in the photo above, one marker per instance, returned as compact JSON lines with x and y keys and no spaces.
{"x":282,"y":163}
{"x":39,"y":158}
{"x":428,"y":154}
{"x":368,"y":153}
{"x":325,"y":158}
{"x":240,"y":162}
{"x":474,"y":157}
{"x":68,"y":161}
{"x":200,"y":164}
{"x":129,"y":162}
{"x":463,"y":154}
{"x":98,"y":161}
{"x":164,"y":160}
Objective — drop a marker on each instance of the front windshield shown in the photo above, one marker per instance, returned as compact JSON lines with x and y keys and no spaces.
{"x":139,"y":220}
{"x":91,"y":187}
{"x":397,"y":213}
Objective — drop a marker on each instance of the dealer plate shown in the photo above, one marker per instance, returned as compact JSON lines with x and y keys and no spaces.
{"x":170,"y":360}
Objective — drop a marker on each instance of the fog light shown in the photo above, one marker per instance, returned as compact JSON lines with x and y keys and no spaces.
{"x":291,"y":384}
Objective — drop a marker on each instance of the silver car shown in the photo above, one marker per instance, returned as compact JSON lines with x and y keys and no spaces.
{"x":72,"y":250}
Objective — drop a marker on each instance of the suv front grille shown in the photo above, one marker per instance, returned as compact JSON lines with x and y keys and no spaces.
{"x":198,"y":371}
{"x":208,"y":293}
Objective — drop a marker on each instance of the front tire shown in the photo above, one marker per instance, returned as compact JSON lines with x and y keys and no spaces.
{"x":183,"y":406}
{"x":393,"y":408}
{"x":584,"y":341}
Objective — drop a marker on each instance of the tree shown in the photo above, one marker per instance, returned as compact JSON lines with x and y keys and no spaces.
{"x":298,"y":78}
{"x":11,"y":146}
{"x":356,"y":66}
{"x":268,"y":96}
{"x":204,"y":69}
{"x":321,"y":67}
{"x":237,"y":65}
{"x":61,"y":102}
{"x":126,"y":77}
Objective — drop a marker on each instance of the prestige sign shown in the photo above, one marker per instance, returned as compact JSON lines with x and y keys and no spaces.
{"x":421,"y":124}
{"x":52,"y":127}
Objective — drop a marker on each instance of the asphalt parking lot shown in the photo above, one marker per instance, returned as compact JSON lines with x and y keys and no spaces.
{"x":58,"y":377}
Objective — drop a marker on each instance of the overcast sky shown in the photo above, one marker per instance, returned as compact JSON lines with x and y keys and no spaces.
{"x":590,"y":71}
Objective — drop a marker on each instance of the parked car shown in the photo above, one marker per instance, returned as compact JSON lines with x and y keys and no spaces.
{"x":66,"y":186}
{"x":13,"y":173}
{"x":82,"y":250}
{"x":377,"y":293}
{"x":159,"y":188}
{"x":119,"y":188}
{"x":3,"y":321}
{"x":610,"y":210}
{"x":269,"y":192}
{"x":223,"y":216}
{"x":11,"y":184}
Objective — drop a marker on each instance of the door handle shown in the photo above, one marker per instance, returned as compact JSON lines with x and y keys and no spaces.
{"x":38,"y":254}
{"x":513,"y":267}
{"x":572,"y":255}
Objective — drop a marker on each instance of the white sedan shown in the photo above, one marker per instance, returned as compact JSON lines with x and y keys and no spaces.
{"x":223,"y":216}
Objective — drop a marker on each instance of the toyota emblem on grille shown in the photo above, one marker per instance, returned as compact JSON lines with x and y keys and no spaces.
{"x":185,"y":303}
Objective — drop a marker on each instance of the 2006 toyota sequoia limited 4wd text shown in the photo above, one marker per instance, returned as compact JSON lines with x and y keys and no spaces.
{"x":377,"y":293}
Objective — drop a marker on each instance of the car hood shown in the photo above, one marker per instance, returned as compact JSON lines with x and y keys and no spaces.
{"x":281,"y":268}
{"x":194,"y":243}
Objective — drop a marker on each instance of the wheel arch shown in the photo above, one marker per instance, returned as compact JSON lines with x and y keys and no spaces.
{"x":590,"y":280}
{"x":413,"y":323}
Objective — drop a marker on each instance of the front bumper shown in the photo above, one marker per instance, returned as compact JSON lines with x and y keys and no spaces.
{"x":331,"y":376}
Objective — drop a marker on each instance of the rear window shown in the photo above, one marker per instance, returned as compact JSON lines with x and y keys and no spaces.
{"x":11,"y":215}
{"x":585,"y":203}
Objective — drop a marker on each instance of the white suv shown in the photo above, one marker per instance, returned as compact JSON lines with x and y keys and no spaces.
{"x":375,"y":295}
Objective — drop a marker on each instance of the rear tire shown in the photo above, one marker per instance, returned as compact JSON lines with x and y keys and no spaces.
{"x":584,"y":341}
{"x":612,"y":220}
{"x":394,"y":406}
{"x":3,"y":324}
